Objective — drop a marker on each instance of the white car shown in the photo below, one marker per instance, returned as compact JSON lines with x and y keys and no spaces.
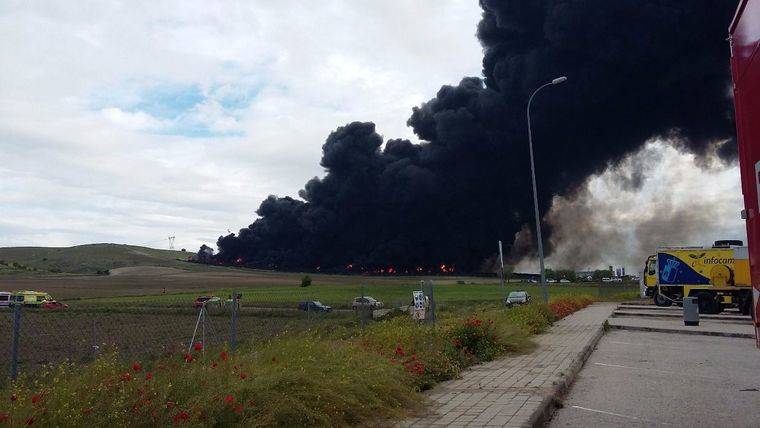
{"x":5,"y":299}
{"x":563,"y":280}
{"x":606,"y":279}
{"x":366,"y":302}
{"x":517,"y":298}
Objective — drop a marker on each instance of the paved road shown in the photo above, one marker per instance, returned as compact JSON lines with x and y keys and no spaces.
{"x":637,"y":379}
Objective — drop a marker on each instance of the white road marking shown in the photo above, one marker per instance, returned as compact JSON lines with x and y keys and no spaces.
{"x":619,"y":415}
{"x":653,"y":370}
{"x":623,"y":343}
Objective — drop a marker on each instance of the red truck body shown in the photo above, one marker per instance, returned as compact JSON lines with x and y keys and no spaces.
{"x":744,"y":34}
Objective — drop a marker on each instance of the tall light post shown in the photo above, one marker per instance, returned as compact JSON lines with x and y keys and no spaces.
{"x":544,"y":287}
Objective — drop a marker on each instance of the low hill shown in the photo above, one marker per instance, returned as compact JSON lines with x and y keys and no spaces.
{"x":91,"y":258}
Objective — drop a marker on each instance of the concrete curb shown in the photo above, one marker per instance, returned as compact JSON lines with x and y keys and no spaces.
{"x":674,"y":331}
{"x":545,"y":410}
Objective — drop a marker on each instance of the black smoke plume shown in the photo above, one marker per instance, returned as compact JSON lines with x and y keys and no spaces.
{"x":636,"y":70}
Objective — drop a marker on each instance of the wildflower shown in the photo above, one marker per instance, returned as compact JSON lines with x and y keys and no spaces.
{"x":223,"y":356}
{"x":274,"y":359}
{"x":198,"y":346}
{"x":229,"y":399}
{"x":126,"y":377}
{"x":243,"y":375}
{"x":399,"y":351}
{"x":239,"y":408}
{"x":148,"y":376}
{"x":169,"y":405}
{"x":136,"y":366}
{"x":14,"y":397}
{"x":87,"y":411}
{"x":36,"y":398}
{"x":30,"y":420}
{"x":188,"y":358}
{"x":180,"y":417}
{"x":214,"y":365}
{"x":4,"y":417}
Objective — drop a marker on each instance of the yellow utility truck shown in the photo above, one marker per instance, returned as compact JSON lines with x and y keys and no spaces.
{"x":718,"y":276}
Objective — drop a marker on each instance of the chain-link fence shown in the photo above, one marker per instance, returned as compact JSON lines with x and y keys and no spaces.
{"x":140,"y":326}
{"x":144,"y":326}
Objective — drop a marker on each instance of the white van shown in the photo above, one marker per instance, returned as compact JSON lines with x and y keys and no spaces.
{"x":5,"y":299}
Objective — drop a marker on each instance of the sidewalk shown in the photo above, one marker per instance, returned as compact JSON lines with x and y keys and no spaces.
{"x":518,"y":391}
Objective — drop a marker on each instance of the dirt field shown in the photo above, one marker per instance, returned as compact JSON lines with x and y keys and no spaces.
{"x":138,"y":281}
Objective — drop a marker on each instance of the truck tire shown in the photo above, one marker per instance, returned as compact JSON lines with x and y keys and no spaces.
{"x":707,"y":303}
{"x":746,"y":306}
{"x":661,"y":300}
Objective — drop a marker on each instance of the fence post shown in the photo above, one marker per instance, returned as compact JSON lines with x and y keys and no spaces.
{"x":233,"y":327}
{"x":94,"y":341}
{"x":431,"y":309}
{"x":16,"y":334}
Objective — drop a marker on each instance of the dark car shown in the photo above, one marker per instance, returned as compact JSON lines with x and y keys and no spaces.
{"x":314,"y":306}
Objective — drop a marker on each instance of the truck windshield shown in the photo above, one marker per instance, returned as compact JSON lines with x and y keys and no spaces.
{"x":650,"y":268}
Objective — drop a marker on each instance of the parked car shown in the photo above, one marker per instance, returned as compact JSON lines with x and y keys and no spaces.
{"x":563,"y":280}
{"x":200,"y":301}
{"x":366,"y":302}
{"x":5,"y":299}
{"x":517,"y":298}
{"x":606,"y":279}
{"x":315,"y":306}
{"x":52,"y":305}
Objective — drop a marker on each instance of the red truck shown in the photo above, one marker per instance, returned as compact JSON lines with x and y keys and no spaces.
{"x":744,"y":37}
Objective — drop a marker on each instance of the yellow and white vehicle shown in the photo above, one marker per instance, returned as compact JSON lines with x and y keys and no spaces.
{"x":718,"y":276}
{"x":30,"y":298}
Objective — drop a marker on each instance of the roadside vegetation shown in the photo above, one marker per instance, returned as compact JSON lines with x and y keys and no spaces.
{"x":326,"y":376}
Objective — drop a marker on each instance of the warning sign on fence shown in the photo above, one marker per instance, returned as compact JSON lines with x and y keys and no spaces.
{"x":418,"y":310}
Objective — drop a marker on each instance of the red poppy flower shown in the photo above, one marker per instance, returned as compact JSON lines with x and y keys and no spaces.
{"x":169,"y":405}
{"x":126,"y":377}
{"x":87,"y":411}
{"x":136,"y":367}
{"x":30,"y":420}
{"x":188,"y":358}
{"x":243,"y":375}
{"x":148,"y":376}
{"x":198,"y":346}
{"x":213,"y":365}
{"x":239,"y":408}
{"x":229,"y":399}
{"x":36,"y":398}
{"x":4,"y":417}
{"x":14,"y":397}
{"x":399,"y":351}
{"x":223,"y":356}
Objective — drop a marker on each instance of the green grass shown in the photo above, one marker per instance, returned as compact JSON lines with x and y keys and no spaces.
{"x":85,"y":258}
{"x":341,"y":296}
{"x":327,"y":376}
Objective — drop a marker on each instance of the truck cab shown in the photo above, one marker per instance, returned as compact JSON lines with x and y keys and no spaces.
{"x":648,"y":279}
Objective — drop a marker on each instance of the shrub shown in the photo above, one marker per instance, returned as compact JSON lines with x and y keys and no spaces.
{"x":565,"y":306}
{"x":305,"y":281}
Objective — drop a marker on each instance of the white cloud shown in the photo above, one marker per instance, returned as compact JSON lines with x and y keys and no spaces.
{"x":95,"y":148}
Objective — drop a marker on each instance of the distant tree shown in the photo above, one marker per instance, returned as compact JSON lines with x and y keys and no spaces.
{"x":601,"y":273}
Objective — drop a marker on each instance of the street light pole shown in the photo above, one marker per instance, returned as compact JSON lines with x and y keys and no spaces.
{"x":544,"y":287}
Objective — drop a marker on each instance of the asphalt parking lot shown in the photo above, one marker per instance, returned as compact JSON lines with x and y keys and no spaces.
{"x":637,"y":378}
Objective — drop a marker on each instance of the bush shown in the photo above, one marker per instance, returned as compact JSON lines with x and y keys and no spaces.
{"x":565,"y":306}
{"x":305,"y":281}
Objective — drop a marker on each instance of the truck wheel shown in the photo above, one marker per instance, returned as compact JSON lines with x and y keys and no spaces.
{"x":707,"y":303}
{"x":661,"y":300}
